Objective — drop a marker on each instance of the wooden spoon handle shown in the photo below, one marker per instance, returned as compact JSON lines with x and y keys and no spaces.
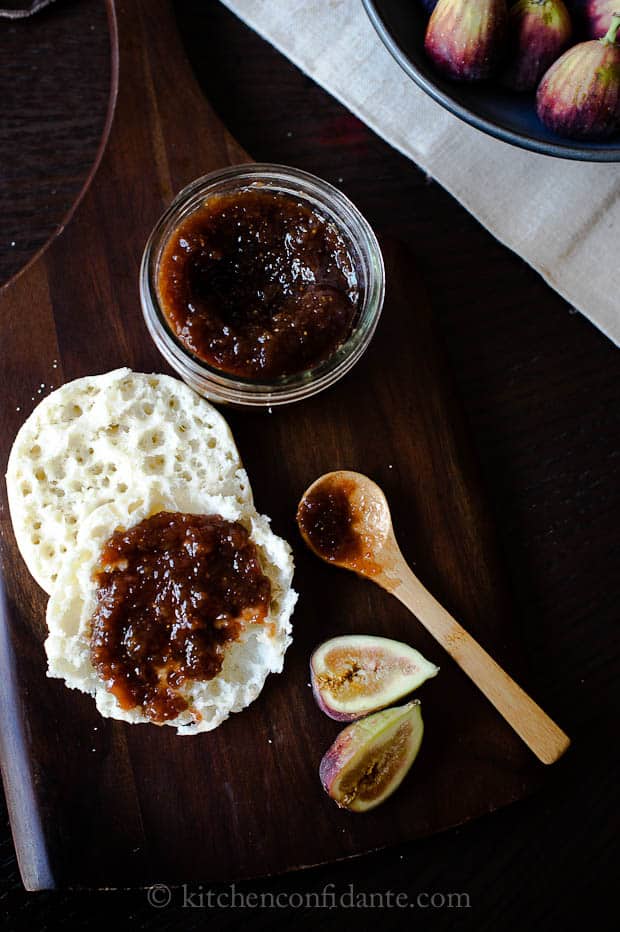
{"x":540,"y":733}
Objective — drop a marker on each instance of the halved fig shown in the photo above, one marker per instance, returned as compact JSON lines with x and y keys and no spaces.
{"x":369,"y":759}
{"x":356,"y":674}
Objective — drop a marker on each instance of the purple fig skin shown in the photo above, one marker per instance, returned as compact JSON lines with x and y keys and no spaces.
{"x":464,"y":38}
{"x":334,"y":758}
{"x":579,"y":96}
{"x":538,"y":32}
{"x":597,"y":16}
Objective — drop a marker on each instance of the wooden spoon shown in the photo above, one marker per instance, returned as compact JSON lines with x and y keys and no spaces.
{"x":345,"y":519}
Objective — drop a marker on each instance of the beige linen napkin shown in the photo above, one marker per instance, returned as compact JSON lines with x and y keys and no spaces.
{"x":562,"y":217}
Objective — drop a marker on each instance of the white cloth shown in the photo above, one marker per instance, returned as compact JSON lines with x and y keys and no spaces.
{"x":562,"y":217}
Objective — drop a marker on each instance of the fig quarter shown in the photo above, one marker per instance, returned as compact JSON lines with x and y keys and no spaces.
{"x":354,"y":675}
{"x":370,"y":758}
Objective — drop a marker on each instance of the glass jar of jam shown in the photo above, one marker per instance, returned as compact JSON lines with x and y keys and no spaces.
{"x":261,"y":285}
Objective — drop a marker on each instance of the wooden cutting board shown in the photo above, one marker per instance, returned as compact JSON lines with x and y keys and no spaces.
{"x":98,"y":803}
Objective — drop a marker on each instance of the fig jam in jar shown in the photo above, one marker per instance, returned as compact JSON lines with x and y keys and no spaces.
{"x":261,"y":285}
{"x":258,"y":284}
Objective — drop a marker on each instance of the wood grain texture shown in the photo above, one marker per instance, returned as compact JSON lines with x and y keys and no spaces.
{"x":120,"y":805}
{"x":55,"y":74}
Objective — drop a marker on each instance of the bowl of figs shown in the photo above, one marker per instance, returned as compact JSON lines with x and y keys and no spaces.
{"x":540,"y":74}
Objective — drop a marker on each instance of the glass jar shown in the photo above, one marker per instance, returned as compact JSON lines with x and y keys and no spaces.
{"x":220,"y":386}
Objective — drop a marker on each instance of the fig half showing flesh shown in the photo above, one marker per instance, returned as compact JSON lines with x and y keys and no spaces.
{"x":356,"y":674}
{"x":370,"y":758}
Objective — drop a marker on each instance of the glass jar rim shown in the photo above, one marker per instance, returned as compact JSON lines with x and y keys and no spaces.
{"x":216,"y":384}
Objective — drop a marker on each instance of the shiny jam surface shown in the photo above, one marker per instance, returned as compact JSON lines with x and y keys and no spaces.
{"x":172,"y":593}
{"x":326,"y":518}
{"x":258,"y":284}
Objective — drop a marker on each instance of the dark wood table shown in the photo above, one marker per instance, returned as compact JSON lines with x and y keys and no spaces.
{"x":541,"y":389}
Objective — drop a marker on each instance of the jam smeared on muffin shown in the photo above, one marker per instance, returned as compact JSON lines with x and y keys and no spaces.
{"x":172,"y":593}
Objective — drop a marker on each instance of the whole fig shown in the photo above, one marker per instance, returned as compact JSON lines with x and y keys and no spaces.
{"x":464,"y":38}
{"x":538,"y":32}
{"x":579,"y":96}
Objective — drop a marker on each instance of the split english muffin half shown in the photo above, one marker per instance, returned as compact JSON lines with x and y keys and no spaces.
{"x":103,"y":454}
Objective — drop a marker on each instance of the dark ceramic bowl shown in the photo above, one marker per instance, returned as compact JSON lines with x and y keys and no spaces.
{"x":401,"y":24}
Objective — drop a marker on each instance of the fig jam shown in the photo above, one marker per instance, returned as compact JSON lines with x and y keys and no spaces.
{"x":325,"y":517}
{"x":258,"y":284}
{"x":172,"y":592}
